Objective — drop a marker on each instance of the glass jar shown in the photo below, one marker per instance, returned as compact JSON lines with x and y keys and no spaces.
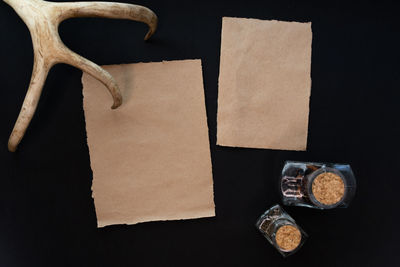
{"x":317,"y":185}
{"x":281,"y":230}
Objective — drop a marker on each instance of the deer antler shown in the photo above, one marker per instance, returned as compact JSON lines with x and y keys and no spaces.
{"x":43,"y":19}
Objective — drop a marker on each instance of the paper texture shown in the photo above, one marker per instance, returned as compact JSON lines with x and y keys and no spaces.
{"x":151,"y":156}
{"x":264,"y":84}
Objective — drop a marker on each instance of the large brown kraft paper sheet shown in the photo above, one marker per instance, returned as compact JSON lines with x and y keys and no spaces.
{"x":151,"y":156}
{"x":264,"y":84}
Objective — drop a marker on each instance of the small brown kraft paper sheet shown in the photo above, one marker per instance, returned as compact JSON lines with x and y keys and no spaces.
{"x":151,"y":156}
{"x":264,"y":84}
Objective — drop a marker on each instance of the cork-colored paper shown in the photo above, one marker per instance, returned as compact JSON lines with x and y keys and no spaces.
{"x":151,"y":156}
{"x":264,"y":84}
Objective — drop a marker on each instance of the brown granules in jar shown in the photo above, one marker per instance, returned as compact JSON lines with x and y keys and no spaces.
{"x":288,"y":237}
{"x":328,"y":188}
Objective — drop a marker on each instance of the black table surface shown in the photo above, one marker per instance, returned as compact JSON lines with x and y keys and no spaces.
{"x":47,"y":215}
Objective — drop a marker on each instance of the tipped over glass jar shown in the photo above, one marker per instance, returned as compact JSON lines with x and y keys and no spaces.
{"x":317,"y":185}
{"x":281,"y":230}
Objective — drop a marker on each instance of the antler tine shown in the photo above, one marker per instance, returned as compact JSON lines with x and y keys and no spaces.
{"x":96,"y":71}
{"x":108,"y":10}
{"x":39,"y":75}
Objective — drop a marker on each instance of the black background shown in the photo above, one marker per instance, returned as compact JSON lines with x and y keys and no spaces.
{"x":47,"y":216}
